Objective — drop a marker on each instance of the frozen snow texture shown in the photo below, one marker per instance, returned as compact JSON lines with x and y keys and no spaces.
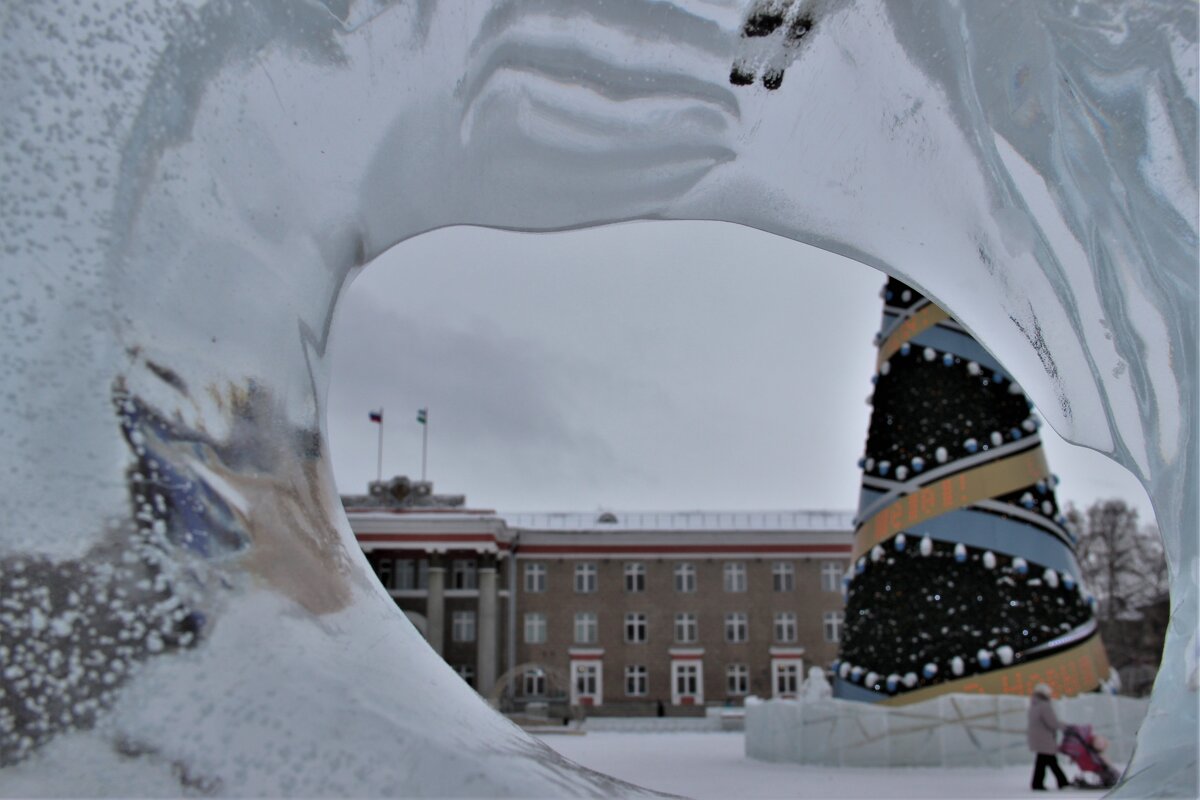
{"x":188,"y":187}
{"x":714,"y":766}
{"x":956,"y":730}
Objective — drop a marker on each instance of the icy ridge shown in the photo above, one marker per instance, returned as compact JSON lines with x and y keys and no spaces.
{"x":189,"y":186}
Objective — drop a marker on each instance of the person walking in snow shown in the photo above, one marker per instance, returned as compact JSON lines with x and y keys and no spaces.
{"x":1043,"y":737}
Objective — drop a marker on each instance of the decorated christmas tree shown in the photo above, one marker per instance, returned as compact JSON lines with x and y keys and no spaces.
{"x":964,"y":577}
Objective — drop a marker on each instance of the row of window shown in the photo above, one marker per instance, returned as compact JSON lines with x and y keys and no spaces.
{"x":737,"y":627}
{"x":783,"y":576}
{"x":686,"y":677}
{"x":407,"y":574}
{"x":686,"y":628}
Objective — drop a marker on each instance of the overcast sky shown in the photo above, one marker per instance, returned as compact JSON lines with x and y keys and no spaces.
{"x":646,"y":366}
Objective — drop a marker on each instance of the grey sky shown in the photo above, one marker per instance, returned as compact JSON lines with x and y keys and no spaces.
{"x":640,"y":366}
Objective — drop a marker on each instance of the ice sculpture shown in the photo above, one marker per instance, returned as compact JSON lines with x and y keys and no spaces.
{"x":188,"y":187}
{"x":989,"y":597}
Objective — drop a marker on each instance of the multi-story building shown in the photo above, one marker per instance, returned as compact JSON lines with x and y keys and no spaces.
{"x":627,"y":613}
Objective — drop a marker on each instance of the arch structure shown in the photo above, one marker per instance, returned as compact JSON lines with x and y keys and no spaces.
{"x":501,"y":684}
{"x":189,"y":187}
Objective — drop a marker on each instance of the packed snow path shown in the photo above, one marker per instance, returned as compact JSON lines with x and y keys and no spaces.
{"x":713,"y":765}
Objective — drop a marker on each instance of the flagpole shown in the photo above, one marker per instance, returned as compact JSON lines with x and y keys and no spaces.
{"x":424,"y":442}
{"x":379,"y":455}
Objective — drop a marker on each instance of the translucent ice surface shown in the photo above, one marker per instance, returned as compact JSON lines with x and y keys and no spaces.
{"x":187,"y":188}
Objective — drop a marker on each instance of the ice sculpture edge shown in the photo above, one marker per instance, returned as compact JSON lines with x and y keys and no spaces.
{"x":166,"y":166}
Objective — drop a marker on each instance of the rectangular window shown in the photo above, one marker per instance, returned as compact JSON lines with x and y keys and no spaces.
{"x":785,"y":626}
{"x":736,"y":627}
{"x":585,"y":578}
{"x":406,"y":573}
{"x":534,"y":683}
{"x":637,"y":682}
{"x":831,"y":576}
{"x":635,"y":627}
{"x":687,"y":682}
{"x":587,"y":680}
{"x":685,"y":577}
{"x":735,"y":576}
{"x":686,"y":629}
{"x":783,"y":576}
{"x":535,"y":577}
{"x":467,"y":673}
{"x":635,"y":577}
{"x":787,"y":679}
{"x":585,"y":627}
{"x":687,"y":679}
{"x":535,"y":628}
{"x":833,"y":626}
{"x":463,"y":574}
{"x":383,"y":568}
{"x":411,"y":574}
{"x":737,"y":679}
{"x":462,"y":627}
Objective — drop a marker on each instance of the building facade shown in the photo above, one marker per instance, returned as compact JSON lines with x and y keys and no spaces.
{"x":621,"y":613}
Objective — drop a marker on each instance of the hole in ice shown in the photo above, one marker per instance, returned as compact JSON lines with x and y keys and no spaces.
{"x":640,"y":366}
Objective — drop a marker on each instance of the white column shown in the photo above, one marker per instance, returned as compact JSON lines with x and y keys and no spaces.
{"x":510,"y":638}
{"x":435,"y":608}
{"x":486,"y":632}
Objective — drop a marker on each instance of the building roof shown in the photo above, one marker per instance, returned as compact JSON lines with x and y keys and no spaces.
{"x":682,"y":521}
{"x":607,"y":534}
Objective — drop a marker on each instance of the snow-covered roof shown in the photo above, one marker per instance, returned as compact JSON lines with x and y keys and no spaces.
{"x":820,"y":520}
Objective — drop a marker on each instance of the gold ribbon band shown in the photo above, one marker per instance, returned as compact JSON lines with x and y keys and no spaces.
{"x":990,"y":480}
{"x":926,"y":318}
{"x":1067,"y":672}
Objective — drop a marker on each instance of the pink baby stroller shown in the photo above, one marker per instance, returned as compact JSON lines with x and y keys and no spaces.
{"x":1086,"y":750}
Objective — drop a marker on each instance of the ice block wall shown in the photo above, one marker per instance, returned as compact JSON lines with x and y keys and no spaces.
{"x":188,"y":186}
{"x":950,"y":730}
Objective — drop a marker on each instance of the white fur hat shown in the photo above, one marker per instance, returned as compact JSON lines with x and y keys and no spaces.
{"x":1043,"y":690}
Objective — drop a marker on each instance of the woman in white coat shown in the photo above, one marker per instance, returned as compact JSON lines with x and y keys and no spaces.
{"x":1043,"y":737}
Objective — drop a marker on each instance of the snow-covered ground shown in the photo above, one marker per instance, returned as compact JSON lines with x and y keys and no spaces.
{"x":704,"y":765}
{"x":697,"y":765}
